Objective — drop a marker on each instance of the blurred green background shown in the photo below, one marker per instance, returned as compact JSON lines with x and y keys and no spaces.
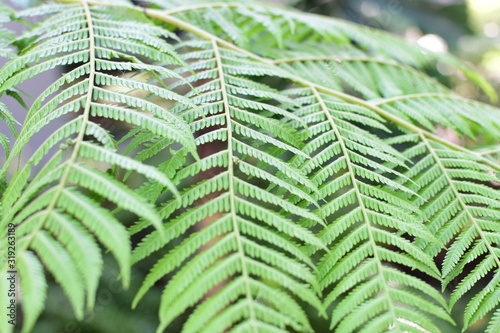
{"x":468,"y":29}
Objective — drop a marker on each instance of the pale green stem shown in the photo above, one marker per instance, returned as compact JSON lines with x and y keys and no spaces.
{"x":164,"y":16}
{"x":231,"y":189}
{"x":79,"y":139}
{"x":415,"y":96}
{"x":157,"y":14}
{"x":362,"y":206}
{"x":342,"y":59}
{"x":490,"y":152}
{"x":458,"y":195}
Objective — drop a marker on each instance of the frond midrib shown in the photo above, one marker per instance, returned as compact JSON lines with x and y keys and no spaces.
{"x":322,"y":93}
{"x":231,"y":189}
{"x":462,"y":204}
{"x":80,"y":136}
{"x":158,"y":14}
{"x":366,"y":219}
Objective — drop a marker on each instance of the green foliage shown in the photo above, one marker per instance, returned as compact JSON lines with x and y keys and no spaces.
{"x":277,"y":162}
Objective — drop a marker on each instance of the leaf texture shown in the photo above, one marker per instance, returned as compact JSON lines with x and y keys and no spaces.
{"x":55,"y":216}
{"x":247,"y":235}
{"x":275,"y":163}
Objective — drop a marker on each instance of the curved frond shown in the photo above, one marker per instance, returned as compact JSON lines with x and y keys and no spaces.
{"x":52,"y":198}
{"x":272,"y":23}
{"x":366,"y":221}
{"x":463,"y":211}
{"x":241,"y":235}
{"x":274,"y":164}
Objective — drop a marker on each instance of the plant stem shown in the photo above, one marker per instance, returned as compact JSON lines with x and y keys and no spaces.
{"x":165,"y":16}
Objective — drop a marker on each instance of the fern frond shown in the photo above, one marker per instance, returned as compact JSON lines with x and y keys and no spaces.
{"x":9,"y":119}
{"x":428,"y":109}
{"x":271,"y":23}
{"x":5,"y":52}
{"x":6,"y":35}
{"x":321,"y":169}
{"x":48,"y":199}
{"x":372,"y":77}
{"x":463,"y":211}
{"x":240,"y":222}
{"x":398,"y":89}
{"x":362,"y":163}
{"x":360,"y":210}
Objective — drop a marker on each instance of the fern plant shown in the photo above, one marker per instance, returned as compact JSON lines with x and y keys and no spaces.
{"x":287,"y":162}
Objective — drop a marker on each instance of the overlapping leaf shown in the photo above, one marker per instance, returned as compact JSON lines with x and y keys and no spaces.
{"x":366,"y":223}
{"x":463,"y":209}
{"x":247,"y":239}
{"x":291,"y":113}
{"x":52,"y":198}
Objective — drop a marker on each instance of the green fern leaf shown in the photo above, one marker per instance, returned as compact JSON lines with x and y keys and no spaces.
{"x":463,"y":212}
{"x":321,"y":184}
{"x":235,"y":253}
{"x":53,"y":215}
